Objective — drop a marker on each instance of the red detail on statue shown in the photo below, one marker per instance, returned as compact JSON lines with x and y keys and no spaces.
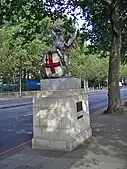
{"x":49,"y":63}
{"x":70,"y":47}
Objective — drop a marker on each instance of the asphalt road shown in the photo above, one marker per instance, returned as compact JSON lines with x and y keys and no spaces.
{"x":99,"y":100}
{"x":16,"y":122}
{"x":15,"y":126}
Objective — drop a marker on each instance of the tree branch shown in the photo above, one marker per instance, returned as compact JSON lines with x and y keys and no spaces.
{"x":108,"y":2}
{"x":124,"y":19}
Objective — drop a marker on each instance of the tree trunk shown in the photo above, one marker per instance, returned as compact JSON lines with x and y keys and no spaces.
{"x":114,"y":101}
{"x":24,"y":75}
{"x":20,"y":83}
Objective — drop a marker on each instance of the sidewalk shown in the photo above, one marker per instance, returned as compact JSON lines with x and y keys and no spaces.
{"x":107,"y":149}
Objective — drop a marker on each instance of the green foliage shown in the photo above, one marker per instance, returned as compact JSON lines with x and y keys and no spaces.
{"x":88,"y":66}
{"x":97,"y":14}
{"x":6,"y":66}
{"x":34,"y":20}
{"x":106,"y":27}
{"x":123,"y":70}
{"x":28,"y":33}
{"x":15,"y":57}
{"x":20,"y":54}
{"x":67,"y":26}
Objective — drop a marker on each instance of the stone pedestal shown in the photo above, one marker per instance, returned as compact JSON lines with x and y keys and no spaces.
{"x":60,"y":119}
{"x":60,"y":84}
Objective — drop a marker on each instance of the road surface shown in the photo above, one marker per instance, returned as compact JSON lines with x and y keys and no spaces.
{"x":99,"y":100}
{"x":15,"y":126}
{"x":16,"y":122}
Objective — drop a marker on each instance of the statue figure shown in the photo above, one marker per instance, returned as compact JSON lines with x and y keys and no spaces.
{"x":56,"y":62}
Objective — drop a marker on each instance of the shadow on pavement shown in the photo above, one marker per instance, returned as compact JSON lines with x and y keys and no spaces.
{"x":107,"y":149}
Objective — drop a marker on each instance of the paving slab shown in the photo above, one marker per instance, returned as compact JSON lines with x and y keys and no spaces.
{"x":107,"y":149}
{"x":114,"y":166}
{"x":87,"y":164}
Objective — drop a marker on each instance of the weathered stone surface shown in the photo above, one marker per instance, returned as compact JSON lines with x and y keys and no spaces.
{"x":57,"y":118}
{"x":60,"y":83}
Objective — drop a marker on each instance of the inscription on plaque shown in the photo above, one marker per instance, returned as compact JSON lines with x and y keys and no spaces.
{"x":79,"y":106}
{"x":82,"y":84}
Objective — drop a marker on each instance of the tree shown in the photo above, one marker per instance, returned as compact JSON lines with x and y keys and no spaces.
{"x":18,"y":54}
{"x":88,"y":66}
{"x":6,"y":60}
{"x":16,"y":57}
{"x":105,"y":24}
{"x":115,"y":25}
{"x":33,"y":18}
{"x":123,"y":71}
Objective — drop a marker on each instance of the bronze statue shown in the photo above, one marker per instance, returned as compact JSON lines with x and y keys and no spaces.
{"x":56,"y":62}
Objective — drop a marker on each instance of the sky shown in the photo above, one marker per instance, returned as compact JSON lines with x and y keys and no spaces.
{"x":80,"y":21}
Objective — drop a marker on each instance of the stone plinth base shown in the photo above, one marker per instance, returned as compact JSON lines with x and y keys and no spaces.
{"x":60,"y":83}
{"x":60,"y":119}
{"x":63,"y":145}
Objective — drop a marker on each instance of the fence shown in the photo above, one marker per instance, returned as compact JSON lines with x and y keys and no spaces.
{"x":28,"y":86}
